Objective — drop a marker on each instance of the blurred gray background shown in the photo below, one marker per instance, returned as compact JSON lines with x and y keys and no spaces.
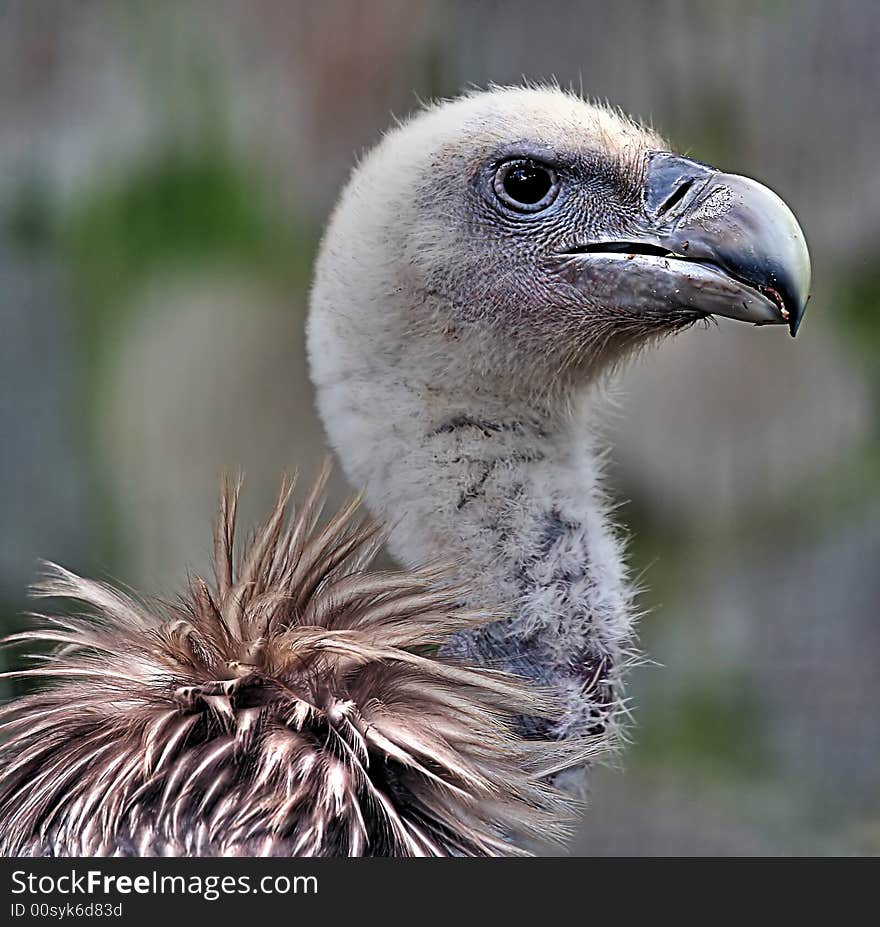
{"x":165,"y":171}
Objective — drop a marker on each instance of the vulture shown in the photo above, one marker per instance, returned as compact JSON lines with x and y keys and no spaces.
{"x":488,"y":265}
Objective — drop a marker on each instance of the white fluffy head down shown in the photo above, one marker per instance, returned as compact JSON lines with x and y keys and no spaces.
{"x":424,"y":274}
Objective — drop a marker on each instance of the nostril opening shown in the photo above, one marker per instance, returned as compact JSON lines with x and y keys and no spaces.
{"x":676,"y":196}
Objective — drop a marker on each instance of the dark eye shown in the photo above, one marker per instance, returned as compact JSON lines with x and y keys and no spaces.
{"x":526,"y":185}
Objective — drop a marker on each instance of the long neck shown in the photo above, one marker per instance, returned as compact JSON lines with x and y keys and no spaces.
{"x":510,"y":496}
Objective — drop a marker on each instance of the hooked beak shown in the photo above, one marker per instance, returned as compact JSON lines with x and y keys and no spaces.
{"x":708,"y":243}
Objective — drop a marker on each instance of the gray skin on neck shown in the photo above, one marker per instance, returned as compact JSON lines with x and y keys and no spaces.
{"x":458,"y":342}
{"x":506,"y":493}
{"x":508,"y":496}
{"x":530,"y":522}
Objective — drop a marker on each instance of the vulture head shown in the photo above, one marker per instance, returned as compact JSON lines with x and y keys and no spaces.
{"x":517,"y":240}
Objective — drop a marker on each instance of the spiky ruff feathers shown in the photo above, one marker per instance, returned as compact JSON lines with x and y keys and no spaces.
{"x":292,"y":708}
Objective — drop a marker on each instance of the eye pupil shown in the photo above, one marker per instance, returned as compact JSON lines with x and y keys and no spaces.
{"x":525,"y":183}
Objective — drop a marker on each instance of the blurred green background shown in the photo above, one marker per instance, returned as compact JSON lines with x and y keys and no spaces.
{"x":165,"y":170}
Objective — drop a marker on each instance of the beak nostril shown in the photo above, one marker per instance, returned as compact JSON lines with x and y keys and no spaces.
{"x":675,"y":197}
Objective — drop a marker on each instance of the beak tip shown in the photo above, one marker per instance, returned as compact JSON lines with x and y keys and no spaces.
{"x":794,"y":323}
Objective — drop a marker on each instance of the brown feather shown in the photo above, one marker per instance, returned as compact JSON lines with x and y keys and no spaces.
{"x":295,"y":707}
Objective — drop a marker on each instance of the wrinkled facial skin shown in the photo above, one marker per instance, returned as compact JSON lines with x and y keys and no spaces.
{"x":507,"y":276}
{"x":599,"y":196}
{"x":630,"y":242}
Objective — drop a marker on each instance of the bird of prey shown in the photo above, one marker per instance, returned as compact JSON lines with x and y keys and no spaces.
{"x":488,"y":265}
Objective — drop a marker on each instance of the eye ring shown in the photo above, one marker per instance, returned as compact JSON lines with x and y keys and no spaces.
{"x":525,"y":184}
